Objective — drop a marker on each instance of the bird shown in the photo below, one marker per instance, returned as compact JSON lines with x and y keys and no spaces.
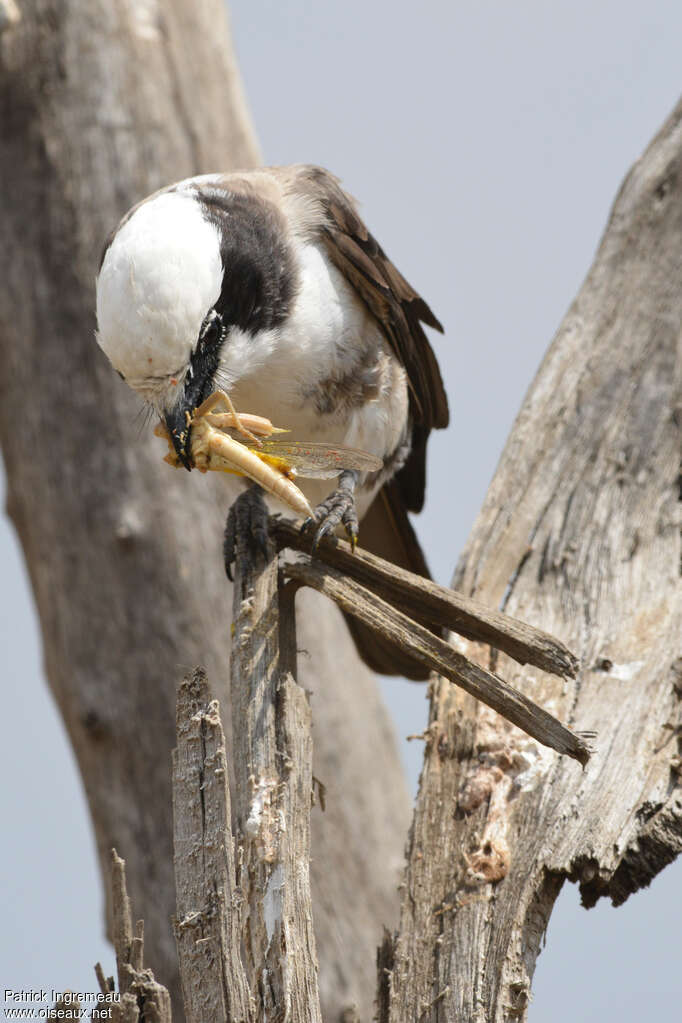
{"x":267,"y":284}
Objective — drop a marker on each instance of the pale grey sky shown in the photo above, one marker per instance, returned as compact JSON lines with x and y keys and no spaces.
{"x":485,"y":142}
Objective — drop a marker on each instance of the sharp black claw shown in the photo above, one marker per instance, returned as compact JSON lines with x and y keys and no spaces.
{"x":326,"y":527}
{"x":339,"y":507}
{"x":229,"y":544}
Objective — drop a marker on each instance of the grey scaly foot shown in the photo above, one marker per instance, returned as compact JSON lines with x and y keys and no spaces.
{"x":248,"y":515}
{"x":339,"y":507}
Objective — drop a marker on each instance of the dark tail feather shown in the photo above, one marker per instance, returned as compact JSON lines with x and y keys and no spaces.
{"x":386,"y":531}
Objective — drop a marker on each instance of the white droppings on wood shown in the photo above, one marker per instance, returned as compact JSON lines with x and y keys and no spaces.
{"x":458,"y":643}
{"x":259,"y":803}
{"x":263,"y":824}
{"x":625,"y":672}
{"x":272,"y":901}
{"x":532,"y":763}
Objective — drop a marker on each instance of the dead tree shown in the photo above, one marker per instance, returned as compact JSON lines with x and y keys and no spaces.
{"x":101,"y":103}
{"x":244,"y":927}
{"x":580,"y":534}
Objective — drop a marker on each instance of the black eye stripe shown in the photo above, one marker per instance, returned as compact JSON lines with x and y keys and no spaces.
{"x":212,"y":329}
{"x":204,"y":360}
{"x":260,"y":279}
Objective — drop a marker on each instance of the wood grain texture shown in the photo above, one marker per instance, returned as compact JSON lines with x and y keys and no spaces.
{"x":272,"y":746}
{"x":209,"y":919}
{"x":386,"y":621}
{"x":431,"y":604}
{"x":139,"y":995}
{"x":101,"y":103}
{"x":579,"y":534}
{"x":244,"y":927}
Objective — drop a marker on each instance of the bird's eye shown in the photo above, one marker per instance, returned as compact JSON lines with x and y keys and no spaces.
{"x":212,"y":329}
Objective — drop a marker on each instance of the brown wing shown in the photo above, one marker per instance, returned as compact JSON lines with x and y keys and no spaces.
{"x":400,"y":311}
{"x":396,"y":305}
{"x":385,"y":530}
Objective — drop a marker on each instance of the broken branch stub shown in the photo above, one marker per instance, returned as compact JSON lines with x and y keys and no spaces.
{"x":136,"y":984}
{"x":273,"y":765}
{"x":437,"y":655}
{"x":209,"y":918}
{"x":429,"y":603}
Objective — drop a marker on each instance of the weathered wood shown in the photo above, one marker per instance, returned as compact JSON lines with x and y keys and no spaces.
{"x":142,"y":998}
{"x":208,"y":921}
{"x":429,"y":603}
{"x":101,"y":103}
{"x":272,"y":746}
{"x":579,"y":533}
{"x":438,"y":656}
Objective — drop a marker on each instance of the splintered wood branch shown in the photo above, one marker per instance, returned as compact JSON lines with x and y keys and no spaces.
{"x":580,"y":531}
{"x":386,"y":620}
{"x":136,"y":984}
{"x":208,"y":921}
{"x":429,"y":603}
{"x":273,"y":767}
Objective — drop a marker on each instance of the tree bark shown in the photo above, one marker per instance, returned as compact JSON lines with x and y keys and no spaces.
{"x":580,"y":535}
{"x":272,"y":743}
{"x":439,"y":656}
{"x":208,"y":923}
{"x":138,"y":994}
{"x":101,"y":103}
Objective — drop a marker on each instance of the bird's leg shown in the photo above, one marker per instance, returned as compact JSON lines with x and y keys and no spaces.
{"x":216,"y":398}
{"x":248,"y":516}
{"x":338,"y":507}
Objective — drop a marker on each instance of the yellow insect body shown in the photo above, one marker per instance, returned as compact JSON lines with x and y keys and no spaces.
{"x":213,"y":450}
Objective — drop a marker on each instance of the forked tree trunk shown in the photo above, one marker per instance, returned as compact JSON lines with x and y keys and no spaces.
{"x":580,"y":535}
{"x":101,"y":103}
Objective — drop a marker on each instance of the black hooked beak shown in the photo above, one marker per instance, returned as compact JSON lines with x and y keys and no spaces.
{"x":198,"y":384}
{"x":179,"y":428}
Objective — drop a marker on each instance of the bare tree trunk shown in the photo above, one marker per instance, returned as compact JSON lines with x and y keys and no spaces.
{"x":100,"y":103}
{"x":580,"y":535}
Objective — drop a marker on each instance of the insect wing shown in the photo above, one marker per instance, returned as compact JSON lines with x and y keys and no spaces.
{"x":320,"y":461}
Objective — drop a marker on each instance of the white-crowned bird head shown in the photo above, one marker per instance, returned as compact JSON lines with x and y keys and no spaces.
{"x":160,"y":278}
{"x":194,"y":280}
